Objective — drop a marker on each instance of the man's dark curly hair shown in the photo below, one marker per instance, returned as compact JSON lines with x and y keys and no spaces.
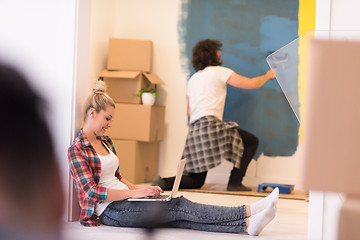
{"x":204,"y":54}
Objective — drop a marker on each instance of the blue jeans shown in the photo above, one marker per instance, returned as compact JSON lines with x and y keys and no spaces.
{"x":179,"y":213}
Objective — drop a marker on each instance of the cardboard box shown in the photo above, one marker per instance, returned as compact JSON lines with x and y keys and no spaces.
{"x":129,"y":54}
{"x":138,"y":161}
{"x":333,"y":118}
{"x":122,"y":86}
{"x":138,"y":122}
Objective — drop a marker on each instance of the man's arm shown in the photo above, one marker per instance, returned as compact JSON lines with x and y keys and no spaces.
{"x":239,"y":81}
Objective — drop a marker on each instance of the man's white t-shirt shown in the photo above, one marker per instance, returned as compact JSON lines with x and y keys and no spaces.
{"x":207,"y":92}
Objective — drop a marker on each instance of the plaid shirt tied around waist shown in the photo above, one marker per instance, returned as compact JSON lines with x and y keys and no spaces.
{"x":85,"y":167}
{"x":209,"y":141}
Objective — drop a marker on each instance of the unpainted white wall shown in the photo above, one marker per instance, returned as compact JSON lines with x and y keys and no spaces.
{"x":38,"y":37}
{"x":157,"y":20}
{"x":102,"y":27}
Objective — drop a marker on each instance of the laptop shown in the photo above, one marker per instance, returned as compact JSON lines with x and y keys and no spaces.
{"x":174,"y":192}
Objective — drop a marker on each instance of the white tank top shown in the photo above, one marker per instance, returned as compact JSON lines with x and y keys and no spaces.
{"x":109,"y":165}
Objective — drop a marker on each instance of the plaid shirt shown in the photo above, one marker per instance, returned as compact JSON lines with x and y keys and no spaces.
{"x":209,"y":141}
{"x":85,"y":167}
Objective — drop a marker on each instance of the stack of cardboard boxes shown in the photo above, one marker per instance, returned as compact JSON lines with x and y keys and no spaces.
{"x":136,"y":129}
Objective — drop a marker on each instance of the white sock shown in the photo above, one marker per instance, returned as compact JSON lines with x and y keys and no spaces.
{"x":265,"y":202}
{"x":258,"y":222}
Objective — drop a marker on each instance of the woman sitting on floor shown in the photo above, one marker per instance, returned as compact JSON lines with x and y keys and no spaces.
{"x":103,"y":193}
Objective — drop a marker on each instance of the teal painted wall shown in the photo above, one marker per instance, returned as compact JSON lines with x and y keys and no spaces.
{"x":249,"y":30}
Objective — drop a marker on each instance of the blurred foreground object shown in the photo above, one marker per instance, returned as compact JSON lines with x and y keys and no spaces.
{"x":333,"y":126}
{"x":31,"y":198}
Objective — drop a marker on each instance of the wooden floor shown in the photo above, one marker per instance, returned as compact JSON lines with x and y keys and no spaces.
{"x":289,"y":223}
{"x":221,"y":189}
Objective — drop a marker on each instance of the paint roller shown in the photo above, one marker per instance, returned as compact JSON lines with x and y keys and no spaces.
{"x":276,"y":59}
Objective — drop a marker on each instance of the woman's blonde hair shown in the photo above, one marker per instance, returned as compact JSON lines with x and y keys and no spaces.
{"x":99,"y":100}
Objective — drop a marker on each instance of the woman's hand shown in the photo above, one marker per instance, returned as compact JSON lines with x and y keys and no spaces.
{"x":150,"y":191}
